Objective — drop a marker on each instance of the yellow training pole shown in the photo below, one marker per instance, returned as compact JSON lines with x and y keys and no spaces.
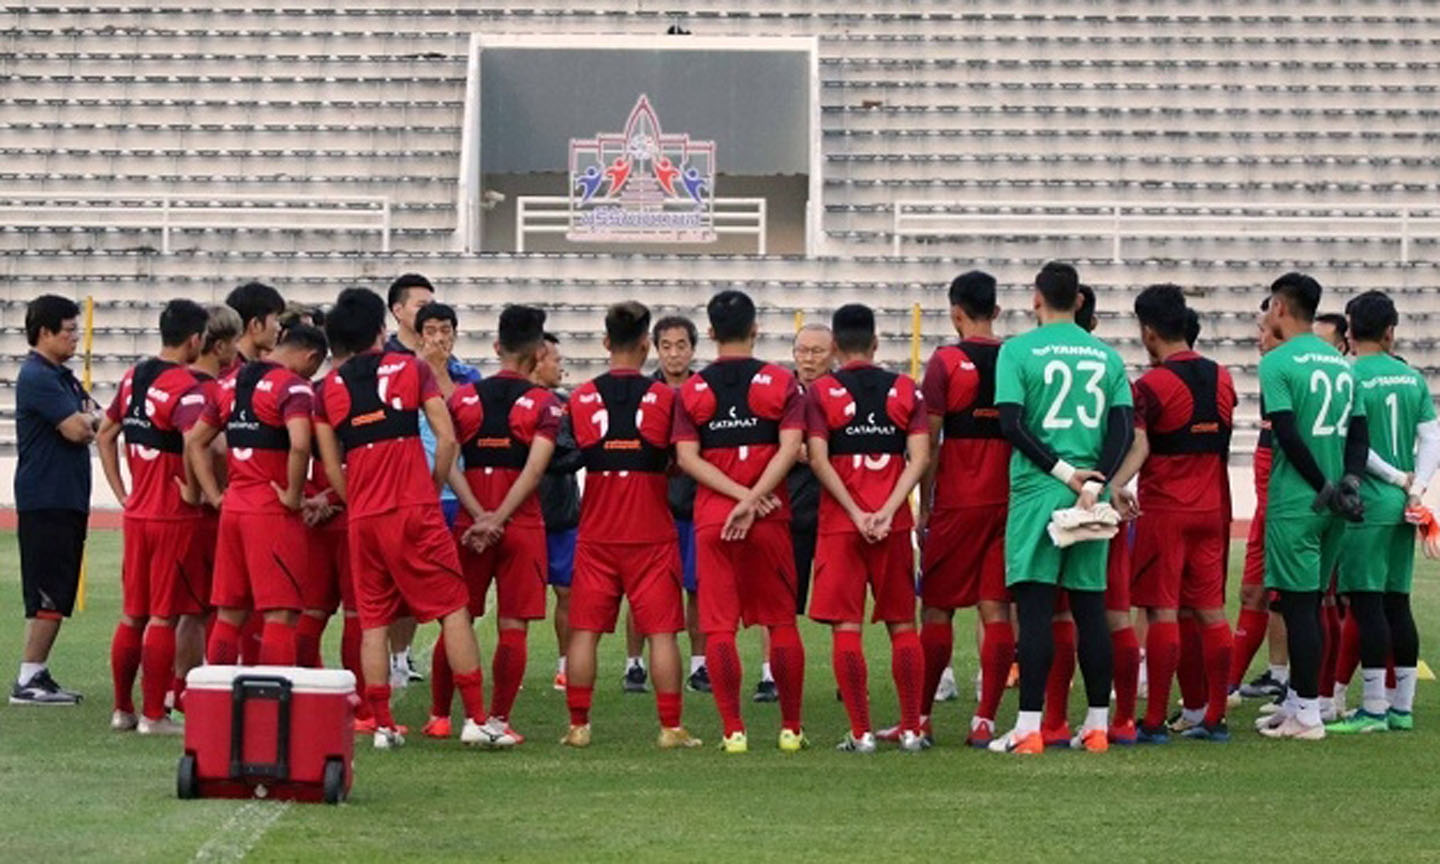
{"x":799,"y":320}
{"x":915,"y":342}
{"x":85,"y":382}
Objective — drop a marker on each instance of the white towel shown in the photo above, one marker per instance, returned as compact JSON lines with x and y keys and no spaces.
{"x":1072,"y":525}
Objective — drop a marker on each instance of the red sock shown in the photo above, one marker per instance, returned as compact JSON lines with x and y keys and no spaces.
{"x":442,"y":681}
{"x":1191,"y":671}
{"x":472,"y":691}
{"x":1250,"y":629}
{"x":937,"y":640}
{"x":997,"y":652}
{"x":787,"y":661}
{"x":249,"y":640}
{"x":157,"y":667}
{"x":578,"y":700}
{"x":307,"y":641}
{"x":223,"y":649}
{"x":852,"y":677}
{"x":1125,"y":649}
{"x":378,"y":697}
{"x":1162,"y":655}
{"x":907,"y":667}
{"x":668,"y":706}
{"x":177,"y":688}
{"x":125,"y":665}
{"x":1062,"y":670}
{"x":725,"y":671}
{"x":350,"y":659}
{"x":1218,"y":646}
{"x":1330,"y":645}
{"x":277,"y":645}
{"x":508,"y":670}
{"x":1349,"y":656}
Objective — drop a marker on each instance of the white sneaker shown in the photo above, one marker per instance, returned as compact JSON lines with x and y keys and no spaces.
{"x":123,"y":721}
{"x":497,"y":735}
{"x":864,"y":744}
{"x":1328,"y":712}
{"x":913,"y":742}
{"x":472,"y":734}
{"x":1291,"y":727}
{"x":163,"y":726}
{"x":388,"y":738}
{"x":1271,"y":720}
{"x":946,"y":691}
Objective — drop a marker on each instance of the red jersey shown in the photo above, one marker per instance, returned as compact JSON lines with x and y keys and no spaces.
{"x":385,"y":466}
{"x":736,"y":408}
{"x":252,"y":410}
{"x":496,"y":421}
{"x":157,"y":402}
{"x":973,"y":461}
{"x":622,"y":423}
{"x":1185,"y":406}
{"x":866,"y":414}
{"x":1264,"y":457}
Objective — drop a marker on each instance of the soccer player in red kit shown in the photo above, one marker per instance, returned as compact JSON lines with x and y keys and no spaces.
{"x":627,"y":545}
{"x":158,"y":399}
{"x":869,"y":439}
{"x":507,"y":427}
{"x":1183,"y":410}
{"x":401,"y":555}
{"x":264,"y":410}
{"x":738,"y":429}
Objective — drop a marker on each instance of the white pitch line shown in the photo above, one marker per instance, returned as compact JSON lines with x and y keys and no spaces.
{"x":239,"y":834}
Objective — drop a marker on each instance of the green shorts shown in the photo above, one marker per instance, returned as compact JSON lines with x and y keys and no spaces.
{"x":1378,"y":558}
{"x":1301,"y":551}
{"x":1031,"y":556}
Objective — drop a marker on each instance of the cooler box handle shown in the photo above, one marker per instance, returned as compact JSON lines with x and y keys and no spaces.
{"x":272,"y":688}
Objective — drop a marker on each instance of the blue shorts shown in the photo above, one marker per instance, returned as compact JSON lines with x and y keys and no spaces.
{"x":560,"y":547}
{"x":450,"y":507}
{"x":686,"y":530}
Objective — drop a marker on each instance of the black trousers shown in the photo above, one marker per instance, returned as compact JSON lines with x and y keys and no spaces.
{"x":52,"y":543}
{"x":803,"y":543}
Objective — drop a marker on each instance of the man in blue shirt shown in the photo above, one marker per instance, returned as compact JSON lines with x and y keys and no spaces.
{"x":55,"y":423}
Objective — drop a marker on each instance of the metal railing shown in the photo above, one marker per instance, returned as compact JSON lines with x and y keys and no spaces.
{"x":550,"y":214}
{"x":1117,"y":222}
{"x":200,"y":211}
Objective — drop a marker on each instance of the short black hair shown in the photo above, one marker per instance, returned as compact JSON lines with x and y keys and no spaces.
{"x":48,"y":312}
{"x":306,"y":338}
{"x":1162,"y":309}
{"x":436,"y":312}
{"x":356,"y":320}
{"x":732,"y":315}
{"x":1085,"y":312}
{"x":854,"y":327}
{"x":181,"y":319}
{"x":1370,"y":313}
{"x":255,"y":301}
{"x":551,"y":338}
{"x":1336,"y":320}
{"x":404,"y":283}
{"x":673,"y":322}
{"x":626,"y":324}
{"x":1059,"y":284}
{"x":1192,"y":327}
{"x":1301,"y":293}
{"x":522,"y":328}
{"x":974,"y":292}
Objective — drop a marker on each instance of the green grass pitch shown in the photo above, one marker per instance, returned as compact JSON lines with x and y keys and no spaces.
{"x":70,"y":789}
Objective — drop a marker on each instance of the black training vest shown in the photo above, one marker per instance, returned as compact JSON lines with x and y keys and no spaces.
{"x":371,"y":420}
{"x":980,"y":419}
{"x":1204,"y":432}
{"x":244,"y":429}
{"x":494,"y":445}
{"x":871,"y":431}
{"x":734,"y":424}
{"x":1266,"y":435}
{"x":138,"y":427}
{"x":623,"y":448}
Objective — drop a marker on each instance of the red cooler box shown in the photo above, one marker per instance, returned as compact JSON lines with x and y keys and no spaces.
{"x":268,"y":731}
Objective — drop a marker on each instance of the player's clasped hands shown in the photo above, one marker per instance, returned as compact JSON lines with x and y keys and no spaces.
{"x":1126,"y":504}
{"x":1077,"y":483}
{"x":487,"y":531}
{"x":317,"y":510}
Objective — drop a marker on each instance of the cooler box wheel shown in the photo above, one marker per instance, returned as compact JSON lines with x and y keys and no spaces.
{"x":187,"y":781}
{"x":334,"y":781}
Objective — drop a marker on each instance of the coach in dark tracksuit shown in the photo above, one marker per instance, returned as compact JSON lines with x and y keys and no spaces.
{"x":55,"y":422}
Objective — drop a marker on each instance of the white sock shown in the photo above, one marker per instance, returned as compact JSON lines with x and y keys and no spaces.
{"x":765,"y":674}
{"x":697,"y":662}
{"x":1404,"y":698}
{"x":1327,"y":706}
{"x":1027,"y":722}
{"x":1097,"y":718}
{"x":1342,"y":695}
{"x":28,"y":671}
{"x":1280,"y":673}
{"x":1374,"y":699}
{"x":560,"y":665}
{"x":1291,"y":705}
{"x":1193,"y":715}
{"x":1308,"y":712}
{"x":632,"y":662}
{"x":397,"y":660}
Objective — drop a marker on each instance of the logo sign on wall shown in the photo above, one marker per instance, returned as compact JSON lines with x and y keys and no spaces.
{"x":642,"y":184}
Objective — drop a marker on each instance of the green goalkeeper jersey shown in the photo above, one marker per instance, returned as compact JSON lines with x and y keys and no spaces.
{"x":1308,"y":377}
{"x":1066,"y":381}
{"x":1396,"y":400}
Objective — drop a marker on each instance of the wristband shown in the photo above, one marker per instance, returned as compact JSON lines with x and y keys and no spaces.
{"x":1062,"y":471}
{"x":1094,"y":487}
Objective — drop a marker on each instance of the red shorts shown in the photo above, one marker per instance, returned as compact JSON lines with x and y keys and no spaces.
{"x":845,"y":564}
{"x":962,"y":558}
{"x":260,"y":562}
{"x":517,"y":565}
{"x":648,"y":575}
{"x":404,"y":561}
{"x":207,"y":535}
{"x":752,"y":581}
{"x":160,"y":560}
{"x":1255,"y":550}
{"x":1180,"y":560}
{"x":1117,"y":571}
{"x":328,"y":585}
